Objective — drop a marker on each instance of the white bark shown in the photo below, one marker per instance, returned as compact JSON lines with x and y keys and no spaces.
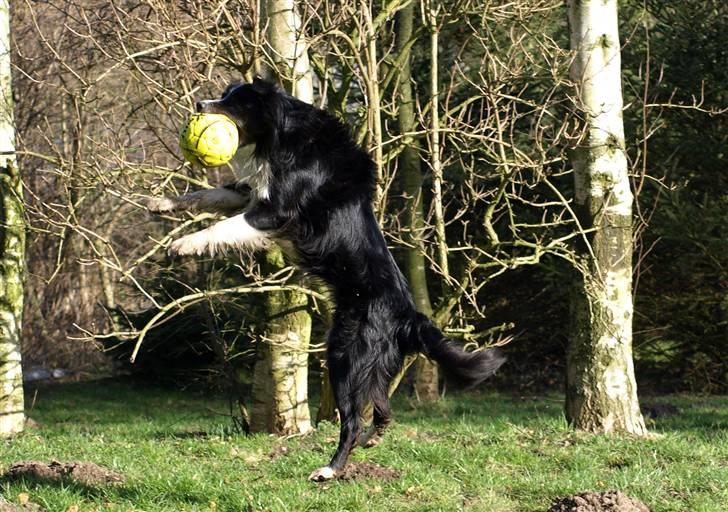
{"x":12,"y":248}
{"x":280,"y":389}
{"x":287,"y":48}
{"x":601,"y":387}
{"x":597,"y":71}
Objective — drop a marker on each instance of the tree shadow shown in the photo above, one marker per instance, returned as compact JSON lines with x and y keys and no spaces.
{"x":704,"y":415}
{"x":108,"y":402}
{"x":707,"y":415}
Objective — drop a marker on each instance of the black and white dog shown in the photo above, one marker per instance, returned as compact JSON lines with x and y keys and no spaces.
{"x":303,"y":180}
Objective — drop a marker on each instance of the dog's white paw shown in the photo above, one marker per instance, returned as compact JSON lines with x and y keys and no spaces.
{"x":323,"y":474}
{"x":161,"y":204}
{"x":187,"y":245}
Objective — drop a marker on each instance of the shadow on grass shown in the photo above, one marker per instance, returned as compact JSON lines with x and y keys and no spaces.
{"x":702,"y":415}
{"x":184,"y":434}
{"x":124,"y":401}
{"x":706,"y":415}
{"x":112,"y":402}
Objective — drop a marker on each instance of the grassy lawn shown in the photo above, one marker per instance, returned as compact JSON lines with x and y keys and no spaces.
{"x":486,"y":452}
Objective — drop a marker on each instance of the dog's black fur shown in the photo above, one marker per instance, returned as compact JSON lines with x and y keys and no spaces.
{"x":319,"y":197}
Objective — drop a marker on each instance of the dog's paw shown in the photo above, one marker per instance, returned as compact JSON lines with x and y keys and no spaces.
{"x":188,"y":245}
{"x":323,"y":474}
{"x":161,"y":204}
{"x":370,"y":438}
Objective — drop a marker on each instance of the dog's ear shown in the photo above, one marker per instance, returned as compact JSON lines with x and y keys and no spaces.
{"x":263,"y":87}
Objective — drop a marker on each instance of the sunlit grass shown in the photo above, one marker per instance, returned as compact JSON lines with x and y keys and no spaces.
{"x":488,"y":452}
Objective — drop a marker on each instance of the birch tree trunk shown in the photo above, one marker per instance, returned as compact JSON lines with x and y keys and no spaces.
{"x":12,"y":248}
{"x":287,"y":48}
{"x":280,"y":388}
{"x":280,"y":379}
{"x":601,"y":394}
{"x":426,"y":378}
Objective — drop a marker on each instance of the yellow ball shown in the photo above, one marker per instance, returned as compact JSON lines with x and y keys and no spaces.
{"x":209,"y":140}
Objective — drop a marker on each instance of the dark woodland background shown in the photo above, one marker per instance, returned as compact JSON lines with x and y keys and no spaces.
{"x":102,"y":88}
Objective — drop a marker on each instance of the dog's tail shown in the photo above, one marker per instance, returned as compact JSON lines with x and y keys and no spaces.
{"x":468,"y":368}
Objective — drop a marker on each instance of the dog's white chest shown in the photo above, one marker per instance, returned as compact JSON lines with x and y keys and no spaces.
{"x":252,"y":171}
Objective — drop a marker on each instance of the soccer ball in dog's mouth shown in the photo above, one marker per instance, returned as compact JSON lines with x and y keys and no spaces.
{"x":209,"y":140}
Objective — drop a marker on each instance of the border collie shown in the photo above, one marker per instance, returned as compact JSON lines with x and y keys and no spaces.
{"x":303,"y":180}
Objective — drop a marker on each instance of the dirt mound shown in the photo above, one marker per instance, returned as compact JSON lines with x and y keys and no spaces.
{"x":610,"y":501}
{"x":86,"y":473}
{"x":278,"y":450}
{"x":356,"y":470}
{"x":28,"y":507}
{"x":24,"y":505}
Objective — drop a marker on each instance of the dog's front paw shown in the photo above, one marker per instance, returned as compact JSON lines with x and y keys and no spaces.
{"x":187,"y":245}
{"x":323,"y":474}
{"x":161,"y":204}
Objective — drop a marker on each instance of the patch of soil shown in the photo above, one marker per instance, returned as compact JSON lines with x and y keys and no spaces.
{"x":86,"y":473}
{"x":6,"y":506}
{"x":609,"y":501}
{"x":189,"y":434}
{"x":278,"y":450}
{"x":28,"y":507}
{"x":29,"y":423}
{"x":355,"y":470}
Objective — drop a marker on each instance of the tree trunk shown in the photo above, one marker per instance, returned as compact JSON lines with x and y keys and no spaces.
{"x":287,"y":48}
{"x":327,"y":410}
{"x":327,"y":404}
{"x":280,"y":388}
{"x":601,"y":394}
{"x":12,"y":249}
{"x":280,"y":384}
{"x":426,"y":377}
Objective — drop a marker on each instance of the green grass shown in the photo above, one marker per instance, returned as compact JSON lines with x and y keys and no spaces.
{"x":486,"y":452}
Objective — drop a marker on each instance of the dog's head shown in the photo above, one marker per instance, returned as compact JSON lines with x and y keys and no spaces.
{"x":252,"y":106}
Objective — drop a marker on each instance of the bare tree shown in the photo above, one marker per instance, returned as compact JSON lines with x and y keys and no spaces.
{"x":12,"y":248}
{"x":601,"y":389}
{"x":492,"y":132}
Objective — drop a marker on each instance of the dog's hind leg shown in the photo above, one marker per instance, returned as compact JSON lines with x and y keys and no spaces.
{"x":385,"y":367}
{"x":348,"y":380}
{"x":382,"y":418}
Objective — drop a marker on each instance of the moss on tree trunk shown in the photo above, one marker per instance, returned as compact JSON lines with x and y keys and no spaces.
{"x":426,"y":375}
{"x":601,"y":394}
{"x":12,"y":249}
{"x":12,"y":256}
{"x":280,"y":385}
